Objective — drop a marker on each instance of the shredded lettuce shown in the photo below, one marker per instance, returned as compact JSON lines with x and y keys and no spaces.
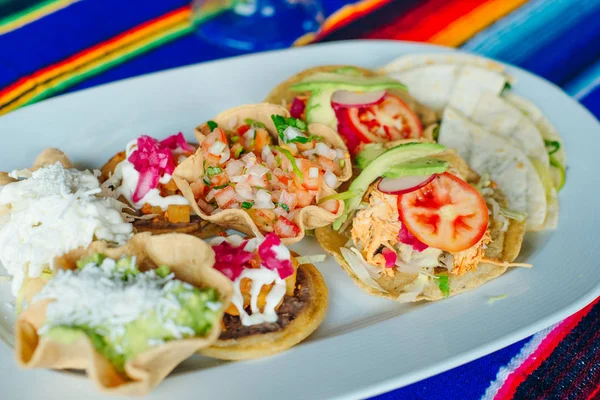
{"x":516,"y":215}
{"x":552,"y":146}
{"x":357,"y":265}
{"x":311,"y":259}
{"x":562,"y":176}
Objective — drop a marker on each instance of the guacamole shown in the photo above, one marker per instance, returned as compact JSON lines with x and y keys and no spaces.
{"x":124,"y":311}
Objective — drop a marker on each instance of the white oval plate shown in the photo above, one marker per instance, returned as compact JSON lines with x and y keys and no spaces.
{"x":366,"y":345}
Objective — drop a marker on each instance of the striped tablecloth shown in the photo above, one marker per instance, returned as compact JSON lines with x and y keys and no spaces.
{"x":58,"y":46}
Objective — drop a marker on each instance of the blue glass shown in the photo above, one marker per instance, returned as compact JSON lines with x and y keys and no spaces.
{"x":256,"y":25}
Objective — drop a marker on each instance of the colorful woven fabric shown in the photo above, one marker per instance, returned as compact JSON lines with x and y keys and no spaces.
{"x":67,"y":45}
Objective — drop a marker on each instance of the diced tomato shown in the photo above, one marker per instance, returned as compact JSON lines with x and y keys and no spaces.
{"x":262,"y":139}
{"x":242,"y":129}
{"x":331,"y":205}
{"x":198,"y":188}
{"x":224,"y":196}
{"x":307,"y":182}
{"x":219,"y":179}
{"x":330,"y":165}
{"x":304,"y":197}
{"x":447,"y":213}
{"x":217,"y":135}
{"x":285,"y":228}
{"x":264,"y":219}
{"x":391,"y":119}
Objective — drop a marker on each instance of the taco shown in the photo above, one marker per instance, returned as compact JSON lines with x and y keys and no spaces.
{"x":279,"y":299}
{"x":259,"y":171}
{"x":50,"y":209}
{"x":361,"y":105}
{"x":438,"y":80}
{"x":524,"y":179}
{"x":421,"y":225}
{"x":126,"y":315}
{"x":141,"y":176}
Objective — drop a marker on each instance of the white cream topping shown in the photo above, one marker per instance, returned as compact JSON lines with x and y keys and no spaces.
{"x":99,"y":297}
{"x":126,"y":177}
{"x":52,"y":212}
{"x":260,"y":277}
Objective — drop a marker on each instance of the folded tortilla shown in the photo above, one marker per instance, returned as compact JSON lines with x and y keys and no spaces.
{"x":506,"y":164}
{"x":309,"y":217}
{"x":438,"y":80}
{"x":188,"y":257}
{"x":282,"y":95}
{"x":406,"y":287}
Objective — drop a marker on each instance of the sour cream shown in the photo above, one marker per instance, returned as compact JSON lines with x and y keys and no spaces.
{"x":53,"y":211}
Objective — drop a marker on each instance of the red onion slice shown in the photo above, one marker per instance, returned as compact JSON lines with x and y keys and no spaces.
{"x":345,"y":98}
{"x":404,"y":184}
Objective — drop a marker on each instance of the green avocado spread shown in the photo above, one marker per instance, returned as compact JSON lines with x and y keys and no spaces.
{"x":124,"y":311}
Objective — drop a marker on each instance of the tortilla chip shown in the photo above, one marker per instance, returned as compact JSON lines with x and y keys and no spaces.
{"x":282,"y":94}
{"x":305,"y":323}
{"x":505,"y":246}
{"x":51,"y":156}
{"x":309,"y":217}
{"x":189,"y":258}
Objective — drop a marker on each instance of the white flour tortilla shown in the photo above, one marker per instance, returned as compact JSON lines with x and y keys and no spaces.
{"x":439,"y":80}
{"x":506,"y":164}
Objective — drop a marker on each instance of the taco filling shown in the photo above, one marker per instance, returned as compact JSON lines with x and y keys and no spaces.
{"x":278,"y":298}
{"x":49,"y":212}
{"x":124,"y":311}
{"x":244,"y":169}
{"x":364,"y":108}
{"x":415,"y":219}
{"x":142,"y":175}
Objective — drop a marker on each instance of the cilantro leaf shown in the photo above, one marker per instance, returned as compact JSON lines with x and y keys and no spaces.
{"x":282,"y":123}
{"x":552,"y":146}
{"x":211,"y":171}
{"x":443,"y":284}
{"x":212,"y":125}
{"x":246,"y":205}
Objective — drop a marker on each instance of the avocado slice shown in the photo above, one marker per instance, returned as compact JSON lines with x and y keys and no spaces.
{"x":319,"y":109}
{"x":322,"y":85}
{"x":417,"y":167}
{"x":369,"y":152}
{"x":340,"y":81}
{"x":394,"y":156}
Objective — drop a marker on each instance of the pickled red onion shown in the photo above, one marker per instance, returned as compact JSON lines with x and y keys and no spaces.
{"x":231,"y":260}
{"x":404,"y":236}
{"x":269,"y":257}
{"x":175,"y":142}
{"x":390,"y":257}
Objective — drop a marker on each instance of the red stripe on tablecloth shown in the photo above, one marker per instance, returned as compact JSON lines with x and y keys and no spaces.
{"x":425,"y":20}
{"x":544,"y":350}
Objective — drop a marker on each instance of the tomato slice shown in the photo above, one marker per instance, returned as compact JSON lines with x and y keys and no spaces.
{"x":447,"y":213}
{"x":391,"y":119}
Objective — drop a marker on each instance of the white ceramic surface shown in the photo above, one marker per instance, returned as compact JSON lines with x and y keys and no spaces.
{"x":366,"y":345}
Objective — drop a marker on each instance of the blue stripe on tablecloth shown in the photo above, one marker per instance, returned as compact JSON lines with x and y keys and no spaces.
{"x":468,"y":381}
{"x":592,"y":102}
{"x":584,"y":83}
{"x":71,"y":30}
{"x":541,"y":34}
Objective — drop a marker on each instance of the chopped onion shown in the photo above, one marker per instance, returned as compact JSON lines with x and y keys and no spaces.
{"x":258,"y":170}
{"x":216,"y":148}
{"x":330,"y":179}
{"x":325,"y":151}
{"x":313,"y":173}
{"x":404,"y":184}
{"x":263,"y":200}
{"x":291,"y":133}
{"x":211,"y":195}
{"x":244,"y":190}
{"x":357,"y":264}
{"x":234,"y":168}
{"x":345,"y":98}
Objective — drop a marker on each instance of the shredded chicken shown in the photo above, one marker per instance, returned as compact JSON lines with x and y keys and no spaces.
{"x":376,"y":226}
{"x":467,"y":260}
